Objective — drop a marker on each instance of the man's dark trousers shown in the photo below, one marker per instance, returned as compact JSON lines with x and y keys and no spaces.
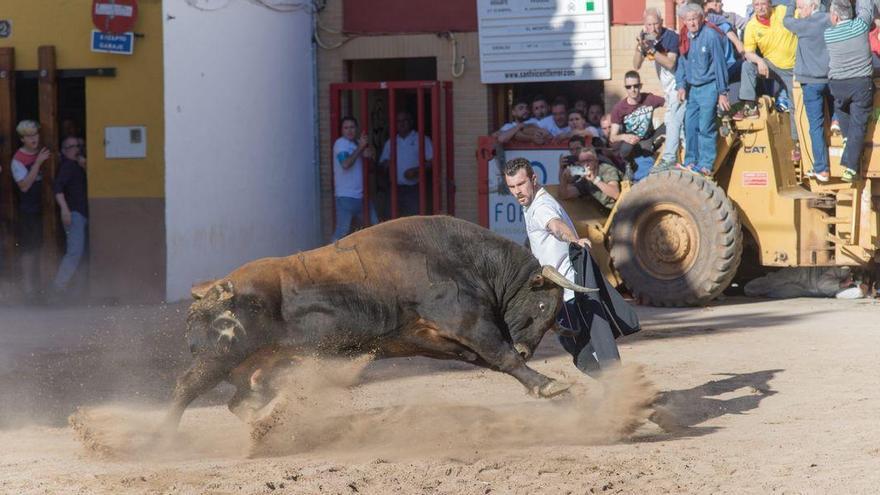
{"x":853,"y":104}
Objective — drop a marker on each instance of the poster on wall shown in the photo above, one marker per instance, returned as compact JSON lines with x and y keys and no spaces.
{"x":543,"y":40}
{"x":505,"y":213}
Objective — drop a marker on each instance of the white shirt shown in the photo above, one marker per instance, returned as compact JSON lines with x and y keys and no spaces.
{"x":532,"y":121}
{"x":347,"y":183}
{"x":548,"y":249}
{"x":596,"y":132}
{"x":667,"y":80}
{"x":508,"y":126}
{"x":20,"y":172}
{"x":548,"y":123}
{"x":407,"y":155}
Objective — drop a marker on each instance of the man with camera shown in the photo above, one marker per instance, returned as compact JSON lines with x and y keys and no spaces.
{"x":661,"y":45}
{"x":585,"y":176}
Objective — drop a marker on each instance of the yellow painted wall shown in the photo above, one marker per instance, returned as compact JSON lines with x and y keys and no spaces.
{"x":133,"y":97}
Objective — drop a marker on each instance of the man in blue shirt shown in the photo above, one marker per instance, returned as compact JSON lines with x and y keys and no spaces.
{"x":701,"y":78}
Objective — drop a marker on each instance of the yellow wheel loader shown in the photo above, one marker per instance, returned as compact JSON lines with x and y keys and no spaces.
{"x":676,"y":238}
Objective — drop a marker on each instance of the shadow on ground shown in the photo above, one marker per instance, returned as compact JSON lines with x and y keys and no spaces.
{"x":681,"y":412}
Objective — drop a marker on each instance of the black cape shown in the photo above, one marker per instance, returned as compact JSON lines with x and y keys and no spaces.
{"x":605,"y":308}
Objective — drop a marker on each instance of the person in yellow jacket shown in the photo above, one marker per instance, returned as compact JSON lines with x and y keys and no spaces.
{"x":770,"y":51}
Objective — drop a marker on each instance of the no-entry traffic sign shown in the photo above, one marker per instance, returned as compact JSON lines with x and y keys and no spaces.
{"x":114,"y":16}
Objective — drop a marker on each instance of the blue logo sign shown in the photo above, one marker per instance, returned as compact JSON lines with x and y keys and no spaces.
{"x":122,"y":44}
{"x":540,"y":171}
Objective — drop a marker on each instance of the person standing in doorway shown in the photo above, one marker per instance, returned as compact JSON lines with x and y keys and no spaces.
{"x":71,"y":195}
{"x":348,"y":177}
{"x":26,"y":171}
{"x":407,"y":164}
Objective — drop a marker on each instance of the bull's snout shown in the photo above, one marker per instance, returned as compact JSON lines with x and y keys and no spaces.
{"x":227,"y":329}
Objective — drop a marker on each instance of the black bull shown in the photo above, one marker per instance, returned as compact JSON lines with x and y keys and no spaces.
{"x":427,"y":286}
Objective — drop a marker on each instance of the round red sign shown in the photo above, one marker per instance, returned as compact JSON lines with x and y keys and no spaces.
{"x":114,"y":16}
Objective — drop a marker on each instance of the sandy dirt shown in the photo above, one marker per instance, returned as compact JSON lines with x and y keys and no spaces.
{"x":767,"y":396}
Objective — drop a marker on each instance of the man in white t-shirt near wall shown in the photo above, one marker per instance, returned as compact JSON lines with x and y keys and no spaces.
{"x":557,"y":122}
{"x":550,"y":232}
{"x":348,"y":177}
{"x":407,"y":164}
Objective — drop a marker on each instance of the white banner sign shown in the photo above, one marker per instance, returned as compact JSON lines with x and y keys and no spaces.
{"x":505,"y":214}
{"x":114,"y":10}
{"x":543,"y":40}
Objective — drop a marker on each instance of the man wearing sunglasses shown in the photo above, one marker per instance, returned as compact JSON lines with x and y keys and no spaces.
{"x":632,"y":120}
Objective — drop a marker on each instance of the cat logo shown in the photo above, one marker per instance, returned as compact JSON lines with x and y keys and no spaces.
{"x":755,"y":149}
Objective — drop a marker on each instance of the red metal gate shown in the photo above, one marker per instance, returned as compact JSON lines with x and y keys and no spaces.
{"x":441,"y":161}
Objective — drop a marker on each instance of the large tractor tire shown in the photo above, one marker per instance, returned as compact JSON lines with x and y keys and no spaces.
{"x":676,"y":240}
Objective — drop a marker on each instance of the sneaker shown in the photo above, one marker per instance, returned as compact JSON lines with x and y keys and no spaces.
{"x":662,"y":166}
{"x":835,"y":127}
{"x":849,"y":175}
{"x":746,"y":112}
{"x":690,"y":167}
{"x":783,"y":104}
{"x":819,"y":176}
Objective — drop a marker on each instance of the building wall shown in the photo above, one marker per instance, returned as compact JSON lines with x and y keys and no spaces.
{"x":471,"y":99}
{"x":241,"y":181}
{"x":126,"y":197}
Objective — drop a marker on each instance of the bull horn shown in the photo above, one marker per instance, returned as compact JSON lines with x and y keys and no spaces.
{"x":553,"y":275}
{"x":200,"y":290}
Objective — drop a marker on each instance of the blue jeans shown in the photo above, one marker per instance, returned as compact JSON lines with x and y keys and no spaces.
{"x":700,"y":127}
{"x":76,"y":244}
{"x":815,"y":95}
{"x":347,"y":209}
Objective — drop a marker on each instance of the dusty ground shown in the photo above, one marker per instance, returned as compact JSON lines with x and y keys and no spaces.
{"x":771,"y":396}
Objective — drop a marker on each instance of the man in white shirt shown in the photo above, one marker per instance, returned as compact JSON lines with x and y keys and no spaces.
{"x":557,"y":122}
{"x":550,"y":232}
{"x":539,"y":107}
{"x":521,"y":128}
{"x":407,"y":164}
{"x":348,"y":177}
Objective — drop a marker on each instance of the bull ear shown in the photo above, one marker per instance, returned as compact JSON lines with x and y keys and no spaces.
{"x":536,"y":281}
{"x":200,"y":290}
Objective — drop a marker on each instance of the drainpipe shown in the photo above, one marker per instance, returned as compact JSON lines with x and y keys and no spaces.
{"x":316,"y":163}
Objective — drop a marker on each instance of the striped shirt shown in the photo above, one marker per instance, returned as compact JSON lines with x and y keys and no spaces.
{"x":848,"y":50}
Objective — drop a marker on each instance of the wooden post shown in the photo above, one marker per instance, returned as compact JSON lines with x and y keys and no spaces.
{"x":8,"y":144}
{"x":48,"y":97}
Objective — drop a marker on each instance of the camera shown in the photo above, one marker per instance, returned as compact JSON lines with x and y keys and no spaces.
{"x":577,"y":170}
{"x":649,"y":43}
{"x":571,"y":160}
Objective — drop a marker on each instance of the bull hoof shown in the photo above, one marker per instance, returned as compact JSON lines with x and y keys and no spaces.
{"x":553,"y":388}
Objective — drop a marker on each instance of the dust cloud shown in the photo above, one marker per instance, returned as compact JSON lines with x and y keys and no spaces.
{"x":323,"y":408}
